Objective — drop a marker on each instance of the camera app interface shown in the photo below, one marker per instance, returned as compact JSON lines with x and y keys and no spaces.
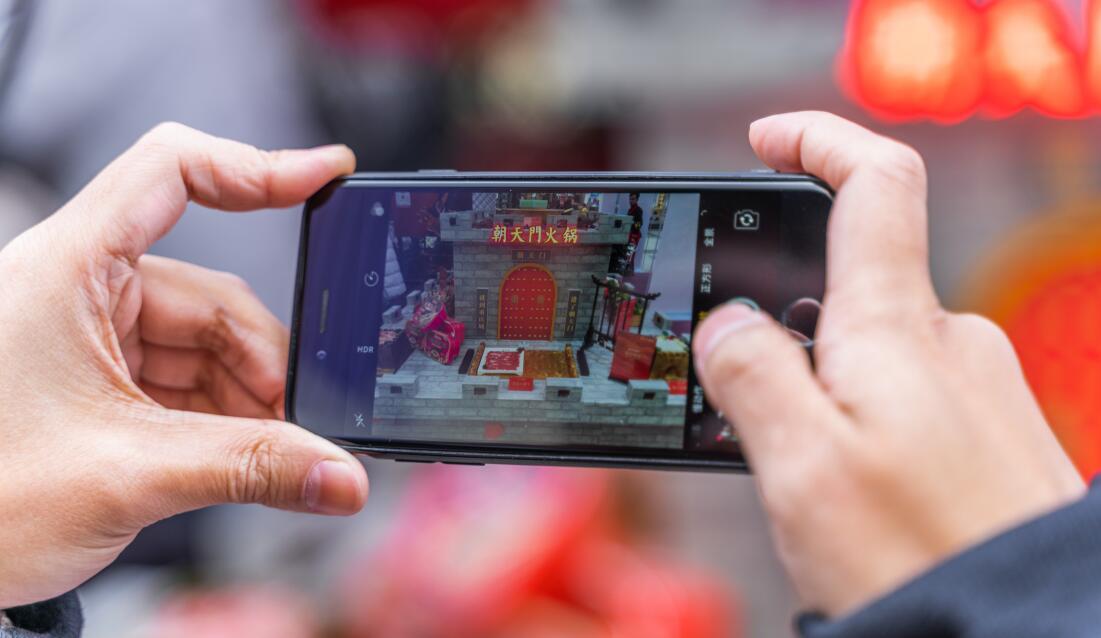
{"x":534,"y":318}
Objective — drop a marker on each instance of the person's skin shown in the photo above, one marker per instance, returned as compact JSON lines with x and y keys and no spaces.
{"x":915,"y":434}
{"x":137,"y":387}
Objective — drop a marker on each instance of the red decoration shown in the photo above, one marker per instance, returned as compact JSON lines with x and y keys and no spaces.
{"x":678,"y":386}
{"x":443,"y":345}
{"x":502,"y":361}
{"x":508,"y":551}
{"x":432,"y":331}
{"x":948,"y":59}
{"x":625,"y":312}
{"x":633,"y":356}
{"x":523,"y":384}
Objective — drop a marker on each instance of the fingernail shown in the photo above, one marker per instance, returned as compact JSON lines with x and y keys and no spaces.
{"x":731,"y":317}
{"x":332,"y":488}
{"x":742,"y":301}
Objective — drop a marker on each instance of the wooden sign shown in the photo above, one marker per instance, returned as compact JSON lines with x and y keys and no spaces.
{"x":480,"y":318}
{"x":633,"y":356}
{"x":530,"y":255}
{"x":571,"y":313}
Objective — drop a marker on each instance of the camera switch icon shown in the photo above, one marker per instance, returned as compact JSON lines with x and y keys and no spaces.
{"x":747,"y":219}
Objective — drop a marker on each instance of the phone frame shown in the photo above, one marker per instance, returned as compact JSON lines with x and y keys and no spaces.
{"x":464,"y":453}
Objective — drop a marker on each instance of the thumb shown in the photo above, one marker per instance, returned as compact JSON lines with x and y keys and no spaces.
{"x":757,"y":376}
{"x":137,"y":198}
{"x":214,"y":459}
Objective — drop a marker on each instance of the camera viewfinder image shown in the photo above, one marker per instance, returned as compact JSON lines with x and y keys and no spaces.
{"x":545,"y":318}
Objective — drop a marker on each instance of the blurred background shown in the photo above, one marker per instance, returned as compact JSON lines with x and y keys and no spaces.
{"x":998,"y":96}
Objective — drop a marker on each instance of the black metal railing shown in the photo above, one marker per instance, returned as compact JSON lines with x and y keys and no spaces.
{"x":614,"y":306}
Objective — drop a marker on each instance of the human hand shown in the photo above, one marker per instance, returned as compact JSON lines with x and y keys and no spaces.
{"x":915,"y":435}
{"x":138,"y":387}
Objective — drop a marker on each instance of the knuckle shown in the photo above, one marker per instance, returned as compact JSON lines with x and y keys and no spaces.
{"x":868,"y":465}
{"x":741,"y":358}
{"x":234,"y":281}
{"x":900,"y":163}
{"x":217,"y":332}
{"x":253,"y":469}
{"x":736,"y":365}
{"x":787,"y":494}
{"x":979,"y":330}
{"x":165,"y":133}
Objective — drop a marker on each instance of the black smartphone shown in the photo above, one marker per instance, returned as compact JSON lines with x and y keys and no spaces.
{"x":539,"y":318}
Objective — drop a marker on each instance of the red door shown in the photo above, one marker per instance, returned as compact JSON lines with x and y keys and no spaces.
{"x":528,"y":294}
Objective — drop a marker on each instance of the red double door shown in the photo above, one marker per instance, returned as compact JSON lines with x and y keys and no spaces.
{"x":528,"y":295}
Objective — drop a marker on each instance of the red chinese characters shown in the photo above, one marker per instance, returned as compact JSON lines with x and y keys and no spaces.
{"x":949,"y":59}
{"x":537,"y":235}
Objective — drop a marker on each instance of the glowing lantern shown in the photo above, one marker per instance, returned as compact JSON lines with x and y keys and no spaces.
{"x":1029,"y":61}
{"x":947,"y":59}
{"x":1093,"y":52}
{"x":1043,"y":285}
{"x":911,"y":58}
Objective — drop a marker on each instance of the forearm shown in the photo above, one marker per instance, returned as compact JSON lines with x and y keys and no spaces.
{"x":1040,"y":579}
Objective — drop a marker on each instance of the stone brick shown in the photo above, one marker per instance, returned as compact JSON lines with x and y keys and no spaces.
{"x":480,"y":388}
{"x":647,"y":392}
{"x":399,"y":384}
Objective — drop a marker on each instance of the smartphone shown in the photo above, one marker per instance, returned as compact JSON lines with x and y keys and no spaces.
{"x":539,"y":318}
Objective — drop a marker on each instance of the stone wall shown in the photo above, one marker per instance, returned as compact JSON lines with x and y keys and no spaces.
{"x":552,"y":413}
{"x":481,"y":266}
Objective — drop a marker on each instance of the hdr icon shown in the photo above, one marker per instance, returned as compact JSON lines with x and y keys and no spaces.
{"x":365,"y":349}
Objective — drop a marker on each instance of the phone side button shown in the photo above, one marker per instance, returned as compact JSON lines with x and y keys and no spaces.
{"x":463,"y":463}
{"x":415,"y":461}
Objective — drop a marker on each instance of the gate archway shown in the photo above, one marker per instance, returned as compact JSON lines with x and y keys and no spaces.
{"x":527,"y":300}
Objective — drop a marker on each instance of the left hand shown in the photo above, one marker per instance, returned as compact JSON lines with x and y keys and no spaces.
{"x":138,"y":387}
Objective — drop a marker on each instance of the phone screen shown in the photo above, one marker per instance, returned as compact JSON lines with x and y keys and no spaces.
{"x":525,"y":317}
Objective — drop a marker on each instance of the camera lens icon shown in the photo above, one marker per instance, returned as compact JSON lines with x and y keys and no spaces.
{"x":747,"y":219}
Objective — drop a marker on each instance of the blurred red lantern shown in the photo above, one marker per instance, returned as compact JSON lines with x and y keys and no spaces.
{"x":947,"y":59}
{"x":523,"y":553}
{"x":471,"y":545}
{"x":240,"y":612}
{"x":914,"y":58}
{"x":1030,"y":60}
{"x":1043,"y":285}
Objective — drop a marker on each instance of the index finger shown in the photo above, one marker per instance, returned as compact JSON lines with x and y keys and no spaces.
{"x":878,"y":251}
{"x":138,"y":197}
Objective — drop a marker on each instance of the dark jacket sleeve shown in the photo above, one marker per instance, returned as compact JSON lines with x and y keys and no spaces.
{"x":1039,"y":580}
{"x":57,"y":618}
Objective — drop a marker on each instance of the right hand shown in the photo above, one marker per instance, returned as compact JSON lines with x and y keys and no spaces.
{"x":916,"y":435}
{"x":137,"y":387}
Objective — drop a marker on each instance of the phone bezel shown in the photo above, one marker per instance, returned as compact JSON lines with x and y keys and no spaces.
{"x":477,"y":454}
